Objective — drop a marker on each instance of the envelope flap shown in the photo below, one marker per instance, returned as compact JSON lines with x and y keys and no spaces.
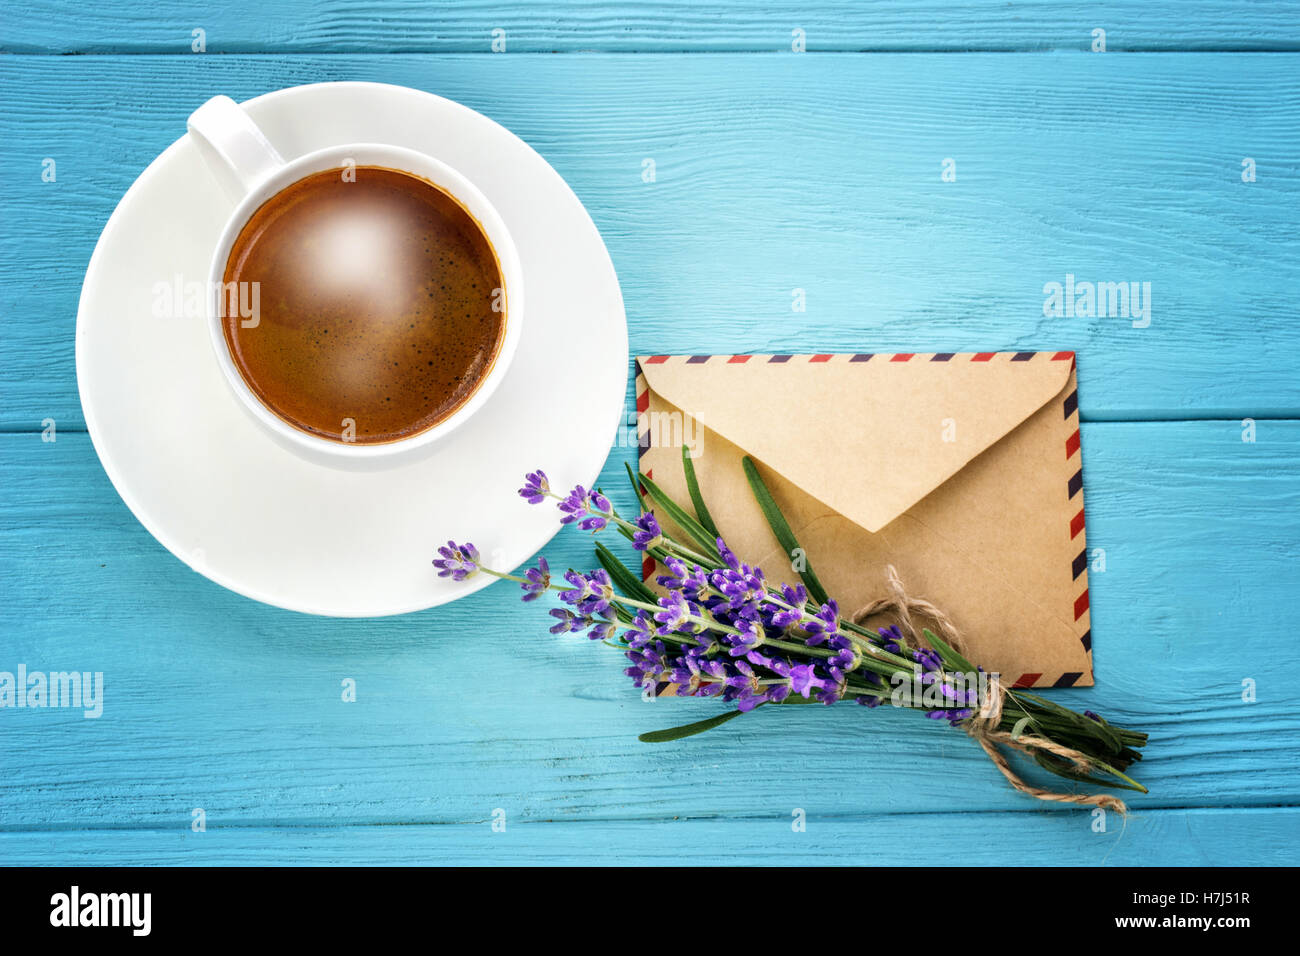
{"x":867,"y":435}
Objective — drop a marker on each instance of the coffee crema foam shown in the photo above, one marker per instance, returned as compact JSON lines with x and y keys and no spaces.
{"x":381,"y":304}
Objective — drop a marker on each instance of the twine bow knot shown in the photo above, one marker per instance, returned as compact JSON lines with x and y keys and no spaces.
{"x":984,"y":727}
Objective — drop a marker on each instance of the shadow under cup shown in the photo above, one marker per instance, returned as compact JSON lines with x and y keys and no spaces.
{"x":363,"y":305}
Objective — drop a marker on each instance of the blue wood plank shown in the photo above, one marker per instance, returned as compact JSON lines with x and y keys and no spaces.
{"x":335,"y":26}
{"x":1120,"y":169}
{"x":213,"y":701}
{"x":1107,"y":168}
{"x":760,"y":836}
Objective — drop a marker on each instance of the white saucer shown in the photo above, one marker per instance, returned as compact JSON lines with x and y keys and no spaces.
{"x":219,"y":494}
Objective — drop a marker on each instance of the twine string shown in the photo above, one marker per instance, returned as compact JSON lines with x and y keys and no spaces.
{"x":984,"y":727}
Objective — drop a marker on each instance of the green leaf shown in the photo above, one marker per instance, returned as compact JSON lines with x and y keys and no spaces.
{"x":781,"y":529}
{"x":1063,"y":768}
{"x":693,"y":488}
{"x":636,"y":486}
{"x":683,"y":519}
{"x":1019,"y":728}
{"x":687,"y":730}
{"x":1079,"y":722}
{"x":950,"y":656}
{"x":622,"y":576}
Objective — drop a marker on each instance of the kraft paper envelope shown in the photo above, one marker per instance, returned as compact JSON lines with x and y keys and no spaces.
{"x":961,"y":470}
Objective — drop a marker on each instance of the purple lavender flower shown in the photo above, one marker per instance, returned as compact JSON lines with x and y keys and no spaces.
{"x":847,"y":658}
{"x":676,"y":614}
{"x":579,"y":590}
{"x":648,"y":534}
{"x":690,"y":678}
{"x":954,"y":717}
{"x":784,"y":618}
{"x":892,"y":639}
{"x":602,"y":592}
{"x":739,"y":675}
{"x":832,"y":689}
{"x":772,"y":692}
{"x":804,"y":679}
{"x":536,"y":580}
{"x":706,"y":644}
{"x":590,"y":594}
{"x":930,"y":662}
{"x":676,"y":571}
{"x":648,"y":664}
{"x":590,"y":509}
{"x":602,"y":628}
{"x":749,"y":637}
{"x":725,"y":608}
{"x":779,"y":667}
{"x":458,"y":561}
{"x":964,"y":696}
{"x":642,"y":631}
{"x":743,"y":687}
{"x":700,"y":678}
{"x":712,"y":668}
{"x":685,"y":669}
{"x":691,"y":581}
{"x":823,"y":625}
{"x":574,"y":505}
{"x":536,"y":488}
{"x":568,"y":621}
{"x":742,"y":587}
{"x":695,"y":583}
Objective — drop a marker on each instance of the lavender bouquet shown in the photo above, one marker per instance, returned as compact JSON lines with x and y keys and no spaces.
{"x":721,"y":629}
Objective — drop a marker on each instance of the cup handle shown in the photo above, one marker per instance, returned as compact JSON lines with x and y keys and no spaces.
{"x":235,"y":141}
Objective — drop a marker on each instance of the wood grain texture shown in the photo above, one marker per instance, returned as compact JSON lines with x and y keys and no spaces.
{"x":213,"y":701}
{"x":1110,"y":169}
{"x":337,"y":26}
{"x":760,"y":836}
{"x":774,"y":172}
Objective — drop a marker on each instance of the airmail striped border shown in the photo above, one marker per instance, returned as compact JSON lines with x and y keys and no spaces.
{"x":1081,"y":611}
{"x":849,"y":359}
{"x":643,"y":442}
{"x":1073,"y":458}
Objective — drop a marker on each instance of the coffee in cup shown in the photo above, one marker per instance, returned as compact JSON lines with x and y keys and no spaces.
{"x":380,"y":299}
{"x":366,"y":298}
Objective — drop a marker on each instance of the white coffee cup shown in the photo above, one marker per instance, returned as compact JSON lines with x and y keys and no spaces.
{"x":251,"y":168}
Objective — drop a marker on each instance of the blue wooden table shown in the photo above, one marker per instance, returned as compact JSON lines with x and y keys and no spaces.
{"x":921,"y":172}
